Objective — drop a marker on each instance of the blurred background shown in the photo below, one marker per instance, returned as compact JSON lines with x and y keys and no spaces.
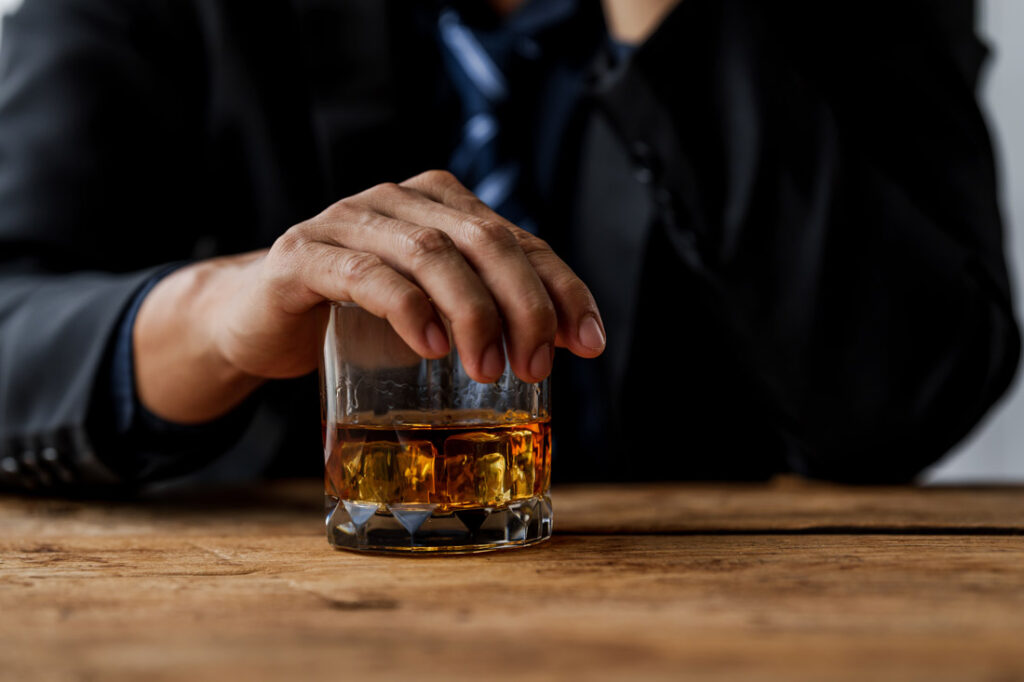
{"x":995,"y":450}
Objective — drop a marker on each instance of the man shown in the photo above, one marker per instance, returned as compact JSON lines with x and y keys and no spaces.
{"x":786,"y":211}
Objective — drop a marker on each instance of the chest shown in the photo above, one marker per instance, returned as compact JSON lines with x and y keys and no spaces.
{"x":309,"y":101}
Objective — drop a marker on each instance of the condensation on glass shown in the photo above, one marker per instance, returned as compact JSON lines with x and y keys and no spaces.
{"x":421,"y":458}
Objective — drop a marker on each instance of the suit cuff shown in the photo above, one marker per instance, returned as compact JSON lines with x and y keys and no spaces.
{"x":143,"y":446}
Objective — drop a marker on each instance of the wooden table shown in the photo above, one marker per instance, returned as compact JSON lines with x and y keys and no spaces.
{"x":783,"y":581}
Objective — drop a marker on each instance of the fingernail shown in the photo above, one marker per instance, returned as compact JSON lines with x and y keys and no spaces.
{"x":540,"y":363}
{"x":437,"y":340}
{"x":493,"y":362}
{"x":590,"y":333}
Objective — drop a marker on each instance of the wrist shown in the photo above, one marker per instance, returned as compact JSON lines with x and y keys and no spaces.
{"x":181,"y":375}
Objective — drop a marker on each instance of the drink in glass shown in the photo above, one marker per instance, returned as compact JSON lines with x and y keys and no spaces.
{"x":421,"y":458}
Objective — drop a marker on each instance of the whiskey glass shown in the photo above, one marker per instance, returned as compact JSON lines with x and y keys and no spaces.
{"x":418,"y":456}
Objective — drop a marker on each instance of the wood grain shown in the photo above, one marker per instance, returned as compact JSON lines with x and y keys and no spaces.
{"x":242,"y":585}
{"x":788,"y":504}
{"x":784,"y":505}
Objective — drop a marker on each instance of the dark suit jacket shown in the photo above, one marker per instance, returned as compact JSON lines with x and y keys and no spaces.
{"x":786,"y":210}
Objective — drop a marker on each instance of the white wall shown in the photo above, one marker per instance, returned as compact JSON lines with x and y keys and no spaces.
{"x":9,"y":6}
{"x":995,"y":451}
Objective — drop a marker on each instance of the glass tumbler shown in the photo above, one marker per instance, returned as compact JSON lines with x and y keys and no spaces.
{"x":420,"y":457}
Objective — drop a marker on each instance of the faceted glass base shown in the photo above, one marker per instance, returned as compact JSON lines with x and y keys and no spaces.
{"x":368,"y":526}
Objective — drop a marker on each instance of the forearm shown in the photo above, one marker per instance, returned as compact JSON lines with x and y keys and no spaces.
{"x":181,"y":374}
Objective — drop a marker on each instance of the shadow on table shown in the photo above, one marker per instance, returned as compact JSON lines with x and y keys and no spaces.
{"x":280,"y":506}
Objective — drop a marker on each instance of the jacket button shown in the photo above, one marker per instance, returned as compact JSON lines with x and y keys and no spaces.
{"x":51,"y":456}
{"x":31,"y":461}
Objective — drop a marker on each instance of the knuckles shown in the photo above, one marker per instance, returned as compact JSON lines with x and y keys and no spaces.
{"x":438,"y":178}
{"x":359,"y":264}
{"x":542,"y":316}
{"x":286,"y":258}
{"x":489,"y":233}
{"x":388,"y":190}
{"x":288,"y":244}
{"x":467,"y":202}
{"x":298,"y":249}
{"x":478,"y":314}
{"x":357,"y":207}
{"x":427,"y":243}
{"x":386,"y":194}
{"x":283,"y":271}
{"x":530,"y":243}
{"x":343,"y":210}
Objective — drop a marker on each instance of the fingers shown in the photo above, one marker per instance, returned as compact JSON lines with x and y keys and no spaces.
{"x":405,"y":252}
{"x":429,"y":258}
{"x":580,"y":328}
{"x":489,"y":249}
{"x":312,"y":271}
{"x":579,"y":325}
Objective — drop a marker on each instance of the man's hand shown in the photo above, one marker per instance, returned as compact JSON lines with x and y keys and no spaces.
{"x":633,"y":21}
{"x":208,"y":334}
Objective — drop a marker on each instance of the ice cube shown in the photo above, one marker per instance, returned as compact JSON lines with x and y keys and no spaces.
{"x":493,"y":484}
{"x":522,"y":455}
{"x":342,"y":469}
{"x":373,"y":472}
{"x":476,"y":469}
{"x":414,"y":471}
{"x":544,"y":462}
{"x":389,"y":472}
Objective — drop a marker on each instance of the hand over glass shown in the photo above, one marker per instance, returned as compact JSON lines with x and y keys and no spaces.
{"x":422,"y":458}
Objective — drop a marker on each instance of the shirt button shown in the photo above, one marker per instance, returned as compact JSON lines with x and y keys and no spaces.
{"x":31,"y":461}
{"x":51,"y":456}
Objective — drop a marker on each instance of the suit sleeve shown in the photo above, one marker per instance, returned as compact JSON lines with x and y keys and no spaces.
{"x":87,"y":143}
{"x":826,"y":178}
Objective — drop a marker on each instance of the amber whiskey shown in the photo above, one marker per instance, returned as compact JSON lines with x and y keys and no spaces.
{"x":469,"y":460}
